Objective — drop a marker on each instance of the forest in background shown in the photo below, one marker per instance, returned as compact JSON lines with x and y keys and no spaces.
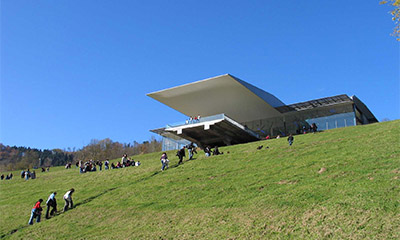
{"x":13,"y":157}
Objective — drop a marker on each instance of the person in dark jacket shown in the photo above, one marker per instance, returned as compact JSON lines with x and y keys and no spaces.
{"x":216,"y":151}
{"x":314,"y":127}
{"x":181,"y":154}
{"x":290,"y":139}
{"x":191,"y":150}
{"x":51,"y":202}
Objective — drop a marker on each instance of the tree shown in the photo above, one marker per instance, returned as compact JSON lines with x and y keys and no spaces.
{"x":395,"y":16}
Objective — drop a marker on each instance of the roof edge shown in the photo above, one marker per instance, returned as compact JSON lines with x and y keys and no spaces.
{"x":188,"y":84}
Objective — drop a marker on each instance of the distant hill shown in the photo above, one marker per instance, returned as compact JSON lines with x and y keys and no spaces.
{"x":341,"y":184}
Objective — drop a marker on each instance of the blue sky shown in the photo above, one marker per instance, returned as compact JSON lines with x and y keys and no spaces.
{"x":72,"y":71}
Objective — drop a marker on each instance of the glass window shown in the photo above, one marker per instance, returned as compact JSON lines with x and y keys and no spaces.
{"x":333,"y":121}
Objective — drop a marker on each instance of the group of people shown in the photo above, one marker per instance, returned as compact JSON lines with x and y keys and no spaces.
{"x":208,"y":151}
{"x":68,"y":166}
{"x":91,"y":166}
{"x":24,"y":174}
{"x":181,"y":153}
{"x":88,"y":166}
{"x":193,"y":119}
{"x":51,"y":202}
{"x":312,"y":128}
{"x":6,"y":177}
{"x":125,"y":162}
{"x":28,"y":174}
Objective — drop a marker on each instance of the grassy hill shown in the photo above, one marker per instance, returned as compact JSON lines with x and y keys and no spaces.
{"x":340,"y":184}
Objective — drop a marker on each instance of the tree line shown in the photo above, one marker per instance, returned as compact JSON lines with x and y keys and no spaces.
{"x":13,"y":157}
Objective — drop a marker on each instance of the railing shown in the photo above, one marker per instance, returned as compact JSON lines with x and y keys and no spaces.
{"x":193,"y":121}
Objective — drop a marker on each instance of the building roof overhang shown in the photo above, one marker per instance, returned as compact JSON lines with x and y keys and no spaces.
{"x":222,"y":94}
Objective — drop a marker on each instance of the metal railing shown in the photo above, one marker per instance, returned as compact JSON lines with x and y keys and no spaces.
{"x":194,"y":121}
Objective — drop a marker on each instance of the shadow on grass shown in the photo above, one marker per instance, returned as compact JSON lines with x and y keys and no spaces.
{"x":77,"y":205}
{"x":94,"y":197}
{"x":13,"y":231}
{"x":183,"y":162}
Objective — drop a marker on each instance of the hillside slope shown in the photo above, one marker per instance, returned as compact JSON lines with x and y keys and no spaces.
{"x":341,"y":184}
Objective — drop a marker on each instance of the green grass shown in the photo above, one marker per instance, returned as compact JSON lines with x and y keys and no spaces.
{"x":274,"y":193}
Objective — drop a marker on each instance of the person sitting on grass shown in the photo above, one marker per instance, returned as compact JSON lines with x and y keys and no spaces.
{"x":36,"y":212}
{"x":119,"y":165}
{"x":112,"y":166}
{"x":216,"y":151}
{"x":207,"y":151}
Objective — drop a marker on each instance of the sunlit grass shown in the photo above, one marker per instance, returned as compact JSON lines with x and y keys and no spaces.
{"x":342,"y":184}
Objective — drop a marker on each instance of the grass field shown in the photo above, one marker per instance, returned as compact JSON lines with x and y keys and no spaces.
{"x":339,"y":184}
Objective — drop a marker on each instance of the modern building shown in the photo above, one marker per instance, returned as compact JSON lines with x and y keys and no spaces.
{"x":233,"y":111}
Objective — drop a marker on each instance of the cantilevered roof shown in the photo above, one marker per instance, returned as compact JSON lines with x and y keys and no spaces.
{"x":222,"y":94}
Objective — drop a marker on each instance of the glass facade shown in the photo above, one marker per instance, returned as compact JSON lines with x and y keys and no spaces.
{"x":328,"y":117}
{"x":172,"y":144}
{"x":334,"y":121}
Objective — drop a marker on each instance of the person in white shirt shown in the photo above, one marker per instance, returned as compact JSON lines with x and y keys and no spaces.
{"x":51,"y":202}
{"x":68,"y":199}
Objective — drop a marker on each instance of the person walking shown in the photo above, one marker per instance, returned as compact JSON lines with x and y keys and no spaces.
{"x":164,"y":161}
{"x":51,"y":202}
{"x":190,"y":148}
{"x":68,"y":200}
{"x":181,"y":154}
{"x":36,"y":212}
{"x":290,"y":139}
